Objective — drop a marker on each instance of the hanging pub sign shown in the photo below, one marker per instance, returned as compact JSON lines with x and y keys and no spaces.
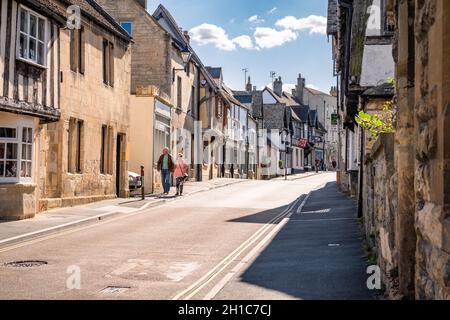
{"x":334,"y":119}
{"x":302,"y":143}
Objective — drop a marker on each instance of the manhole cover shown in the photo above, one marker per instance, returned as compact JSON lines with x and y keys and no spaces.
{"x":114,"y":289}
{"x":25,"y":264}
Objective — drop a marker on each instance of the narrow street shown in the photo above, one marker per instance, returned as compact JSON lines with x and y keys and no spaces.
{"x":275,"y":239}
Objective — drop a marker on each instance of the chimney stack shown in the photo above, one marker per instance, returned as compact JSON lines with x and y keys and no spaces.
{"x":248,"y":87}
{"x":187,"y":36}
{"x":300,"y":87}
{"x":278,"y":87}
{"x":333,"y":92}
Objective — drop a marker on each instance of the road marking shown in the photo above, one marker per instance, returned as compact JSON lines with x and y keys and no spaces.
{"x":28,"y":237}
{"x":116,"y":209}
{"x":313,"y":220}
{"x":318,"y":211}
{"x":216,"y":289}
{"x":180,"y":270}
{"x":208,"y":277}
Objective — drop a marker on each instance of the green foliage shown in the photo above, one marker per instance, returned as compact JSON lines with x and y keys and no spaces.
{"x":380,"y":122}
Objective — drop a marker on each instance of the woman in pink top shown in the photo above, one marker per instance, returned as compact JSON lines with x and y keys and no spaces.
{"x":180,"y":173}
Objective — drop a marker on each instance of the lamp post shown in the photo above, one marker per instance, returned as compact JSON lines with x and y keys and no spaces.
{"x":185,"y":56}
{"x":286,"y":131}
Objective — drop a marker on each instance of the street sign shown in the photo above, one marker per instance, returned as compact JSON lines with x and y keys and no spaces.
{"x":334,"y":119}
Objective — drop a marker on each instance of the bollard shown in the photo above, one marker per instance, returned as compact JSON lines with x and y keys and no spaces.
{"x":142,"y":183}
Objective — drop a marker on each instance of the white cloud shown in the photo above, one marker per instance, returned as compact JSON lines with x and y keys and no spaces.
{"x":244,"y":42}
{"x":311,"y":86}
{"x":287,"y":87}
{"x":206,"y":33}
{"x":255,"y":19}
{"x":271,"y":11}
{"x":315,"y":24}
{"x":269,"y":38}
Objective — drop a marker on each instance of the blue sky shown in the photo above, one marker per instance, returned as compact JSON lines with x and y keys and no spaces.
{"x":224,"y":34}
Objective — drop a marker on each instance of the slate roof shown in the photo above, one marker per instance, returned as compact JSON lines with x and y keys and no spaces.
{"x":384,"y":90}
{"x":275,"y":96}
{"x":215,"y":72}
{"x":290,"y":100}
{"x":244,"y":98}
{"x":316,"y":92}
{"x":302,"y":112}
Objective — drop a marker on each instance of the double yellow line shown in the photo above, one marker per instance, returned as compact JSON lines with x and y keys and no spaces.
{"x":222,"y":265}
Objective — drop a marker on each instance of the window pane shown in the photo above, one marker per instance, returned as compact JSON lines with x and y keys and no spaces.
{"x":23,"y":52}
{"x":25,"y":170}
{"x":128,"y":26}
{"x":41,"y":29}
{"x":7,"y":132}
{"x":23,"y":20}
{"x":28,"y":169}
{"x":26,"y":135}
{"x":29,"y":151}
{"x":33,"y":26}
{"x":40,"y":53}
{"x":32,"y":55}
{"x":11,"y":151}
{"x":11,"y":169}
{"x":26,"y":151}
{"x":2,"y":168}
{"x":2,"y":151}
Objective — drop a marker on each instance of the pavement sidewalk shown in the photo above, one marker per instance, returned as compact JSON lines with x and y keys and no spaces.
{"x":318,"y":254}
{"x":56,"y":220}
{"x":297,"y":176}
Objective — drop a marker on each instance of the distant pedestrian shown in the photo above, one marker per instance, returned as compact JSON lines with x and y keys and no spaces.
{"x":180,"y":173}
{"x":165,"y":165}
{"x":334,"y":164}
{"x":317,"y":165}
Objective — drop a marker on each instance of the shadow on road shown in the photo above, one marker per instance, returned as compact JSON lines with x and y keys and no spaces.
{"x":317,"y":254}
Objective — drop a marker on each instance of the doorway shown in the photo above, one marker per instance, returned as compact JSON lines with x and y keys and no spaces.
{"x":118,"y":163}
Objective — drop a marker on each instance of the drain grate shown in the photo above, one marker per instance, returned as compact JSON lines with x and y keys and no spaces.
{"x":114,"y":289}
{"x":24,"y":264}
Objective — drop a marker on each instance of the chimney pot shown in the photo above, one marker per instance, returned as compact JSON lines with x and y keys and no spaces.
{"x":187,"y":36}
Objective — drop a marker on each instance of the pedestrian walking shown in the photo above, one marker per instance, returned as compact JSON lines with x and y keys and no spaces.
{"x":180,"y":173}
{"x":165,"y":165}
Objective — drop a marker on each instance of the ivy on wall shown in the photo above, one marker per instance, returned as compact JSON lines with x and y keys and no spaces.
{"x":380,"y":122}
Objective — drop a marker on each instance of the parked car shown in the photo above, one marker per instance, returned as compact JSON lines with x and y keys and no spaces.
{"x":134,"y":180}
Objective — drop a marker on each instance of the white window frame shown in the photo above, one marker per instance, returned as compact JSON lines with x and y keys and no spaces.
{"x":19,"y":141}
{"x":28,"y":36}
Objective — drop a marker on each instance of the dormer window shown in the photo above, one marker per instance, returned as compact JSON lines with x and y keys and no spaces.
{"x":31,"y":37}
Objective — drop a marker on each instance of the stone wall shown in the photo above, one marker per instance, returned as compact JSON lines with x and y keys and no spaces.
{"x":87,"y":98}
{"x":150,"y":62}
{"x":379,"y":208}
{"x":432,"y":114}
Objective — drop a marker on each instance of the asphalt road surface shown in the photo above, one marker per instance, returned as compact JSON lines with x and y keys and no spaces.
{"x":252,"y":240}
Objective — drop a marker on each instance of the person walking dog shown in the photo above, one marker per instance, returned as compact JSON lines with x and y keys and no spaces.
{"x":165,"y":165}
{"x":180,"y":173}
